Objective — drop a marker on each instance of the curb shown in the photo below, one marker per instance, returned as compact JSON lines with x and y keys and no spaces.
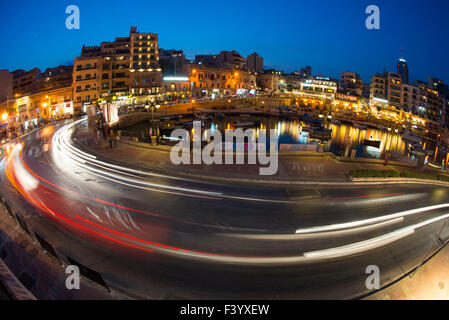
{"x":352,"y":181}
{"x":399,"y":180}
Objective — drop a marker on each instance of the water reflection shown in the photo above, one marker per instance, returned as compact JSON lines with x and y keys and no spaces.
{"x":346,"y":136}
{"x":343,"y":139}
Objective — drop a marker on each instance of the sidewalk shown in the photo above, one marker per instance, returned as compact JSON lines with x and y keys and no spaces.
{"x":429,"y":282}
{"x":294,"y":167}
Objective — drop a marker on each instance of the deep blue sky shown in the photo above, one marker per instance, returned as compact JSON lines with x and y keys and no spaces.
{"x":329,"y":35}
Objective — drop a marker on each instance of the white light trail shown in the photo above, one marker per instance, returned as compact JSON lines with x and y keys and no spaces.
{"x":359,"y":223}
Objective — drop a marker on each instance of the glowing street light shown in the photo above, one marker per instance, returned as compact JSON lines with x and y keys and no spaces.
{"x":4,"y":116}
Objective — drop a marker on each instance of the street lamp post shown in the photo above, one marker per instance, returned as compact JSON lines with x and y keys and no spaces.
{"x":325,"y":117}
{"x":49,"y":106}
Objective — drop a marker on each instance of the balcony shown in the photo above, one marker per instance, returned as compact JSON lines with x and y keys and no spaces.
{"x":85,"y":79}
{"x":86,"y":68}
{"x":120,"y":76}
{"x":85,"y":90}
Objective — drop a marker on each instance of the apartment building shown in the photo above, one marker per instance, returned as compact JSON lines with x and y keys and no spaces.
{"x":394,"y":90}
{"x":126,"y":70}
{"x":146,"y":75}
{"x":412,"y":97}
{"x":172,"y":62}
{"x":58,"y":77}
{"x":25,"y":82}
{"x":206,"y":59}
{"x":443,"y":91}
{"x":231,"y":59}
{"x":86,"y":82}
{"x":6,"y":85}
{"x":268,"y":82}
{"x":254,"y":63}
{"x":351,"y":83}
{"x":206,"y":81}
{"x":318,"y":88}
{"x":176,"y":87}
{"x":27,"y":111}
{"x":386,"y":88}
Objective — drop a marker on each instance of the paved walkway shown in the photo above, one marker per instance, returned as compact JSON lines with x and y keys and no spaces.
{"x":429,"y":282}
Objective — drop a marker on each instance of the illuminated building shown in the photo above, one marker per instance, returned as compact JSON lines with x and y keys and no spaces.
{"x":387,"y":86}
{"x":25,"y":82}
{"x":225,"y":59}
{"x":403,"y":70}
{"x":413,"y":99}
{"x":443,"y":90}
{"x":431,"y":103}
{"x":30,"y":110}
{"x":127,"y":69}
{"x":269,"y":82}
{"x":146,"y":76}
{"x":176,"y":87}
{"x":57,"y":77}
{"x":172,"y":62}
{"x":86,"y":81}
{"x":322,"y":88}
{"x":345,"y":102}
{"x":208,"y":81}
{"x":351,"y":83}
{"x":306,"y":72}
{"x":206,"y":59}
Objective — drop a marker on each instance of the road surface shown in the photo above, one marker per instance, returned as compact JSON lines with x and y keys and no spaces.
{"x":157,"y":236}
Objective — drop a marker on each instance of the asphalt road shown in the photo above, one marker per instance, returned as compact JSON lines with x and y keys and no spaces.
{"x":157,"y":236}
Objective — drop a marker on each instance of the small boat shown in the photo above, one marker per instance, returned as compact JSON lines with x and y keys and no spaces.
{"x":358,"y":125}
{"x":310,"y":129}
{"x":335,"y":121}
{"x":372,"y":143}
{"x":321,"y":134}
{"x":199,"y":116}
{"x":248,"y":124}
{"x":184,"y":123}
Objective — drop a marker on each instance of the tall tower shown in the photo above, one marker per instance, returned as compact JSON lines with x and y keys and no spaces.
{"x":403,"y":70}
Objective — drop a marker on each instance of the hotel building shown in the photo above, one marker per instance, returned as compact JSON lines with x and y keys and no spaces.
{"x":217,"y":81}
{"x":126,"y":70}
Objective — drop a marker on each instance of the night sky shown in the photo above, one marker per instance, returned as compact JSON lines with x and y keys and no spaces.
{"x":329,"y":35}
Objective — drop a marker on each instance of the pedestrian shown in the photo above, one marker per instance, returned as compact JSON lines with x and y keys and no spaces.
{"x":387,"y":157}
{"x":110,"y":138}
{"x":114,"y":138}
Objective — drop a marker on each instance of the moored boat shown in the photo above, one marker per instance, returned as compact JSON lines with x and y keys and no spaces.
{"x":372,"y":143}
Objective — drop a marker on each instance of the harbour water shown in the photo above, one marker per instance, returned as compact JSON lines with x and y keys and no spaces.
{"x":343,"y":139}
